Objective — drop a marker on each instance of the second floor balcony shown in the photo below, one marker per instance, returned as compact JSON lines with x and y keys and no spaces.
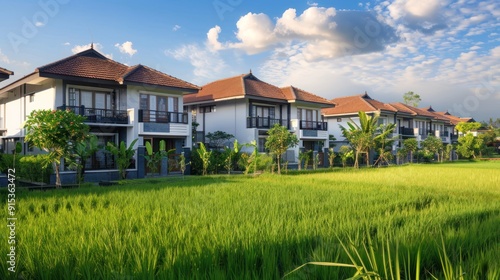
{"x":97,"y":115}
{"x":314,"y":125}
{"x":151,"y":116}
{"x":265,"y":122}
{"x":406,"y":131}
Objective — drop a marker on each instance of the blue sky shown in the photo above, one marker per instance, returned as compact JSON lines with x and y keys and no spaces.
{"x":447,"y":51}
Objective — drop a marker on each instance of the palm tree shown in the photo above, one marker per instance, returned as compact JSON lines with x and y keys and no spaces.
{"x":364,"y":136}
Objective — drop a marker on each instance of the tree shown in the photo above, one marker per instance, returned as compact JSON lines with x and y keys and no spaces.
{"x":278,"y":141}
{"x":83,"y":151}
{"x":411,"y":98}
{"x":433,"y":145}
{"x":331,"y":157}
{"x":466,"y":127}
{"x":469,"y":146}
{"x":383,"y":144}
{"x":205,"y":157}
{"x":123,"y":155}
{"x":230,"y":154}
{"x":56,"y":132}
{"x":218,"y":138}
{"x":363,"y":137}
{"x":345,"y":153}
{"x":410,"y":145}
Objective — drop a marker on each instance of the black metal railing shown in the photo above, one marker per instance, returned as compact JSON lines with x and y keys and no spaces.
{"x":152,"y":116}
{"x":95,"y":115}
{"x":265,"y":122}
{"x":406,"y":131}
{"x":314,"y":125}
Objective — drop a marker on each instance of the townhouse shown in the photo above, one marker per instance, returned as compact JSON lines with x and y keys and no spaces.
{"x":247,"y":107}
{"x":120,"y":103}
{"x":411,"y":122}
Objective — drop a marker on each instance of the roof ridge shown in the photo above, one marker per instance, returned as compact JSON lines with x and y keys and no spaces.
{"x":364,"y":100}
{"x":79,"y":54}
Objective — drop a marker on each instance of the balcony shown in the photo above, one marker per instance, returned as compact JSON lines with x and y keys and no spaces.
{"x":406,"y":131}
{"x":150,"y":116}
{"x":94,"y":115}
{"x":314,"y":125}
{"x":265,"y":122}
{"x":444,"y":133}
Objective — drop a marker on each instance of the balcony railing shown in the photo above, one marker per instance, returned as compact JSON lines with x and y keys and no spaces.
{"x":95,"y":115}
{"x":265,"y":122}
{"x":406,"y":131}
{"x":444,"y":133}
{"x":151,"y":116}
{"x":314,"y":125}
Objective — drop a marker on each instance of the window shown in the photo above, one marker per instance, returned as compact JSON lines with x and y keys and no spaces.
{"x":32,"y":98}
{"x":207,"y":109}
{"x":90,"y":98}
{"x":102,"y":159}
{"x":339,"y":119}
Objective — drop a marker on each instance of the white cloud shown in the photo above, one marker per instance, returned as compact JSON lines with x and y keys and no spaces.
{"x":207,"y":65}
{"x":126,"y":48}
{"x":322,"y":33}
{"x":213,"y":39}
{"x":39,"y":24}
{"x":97,"y":46}
{"x":176,"y":27}
{"x":66,"y":44}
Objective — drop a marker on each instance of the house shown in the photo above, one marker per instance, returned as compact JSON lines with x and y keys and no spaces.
{"x":346,"y":110}
{"x":411,"y":122}
{"x":120,"y":103}
{"x":247,"y":108}
{"x":5,"y":74}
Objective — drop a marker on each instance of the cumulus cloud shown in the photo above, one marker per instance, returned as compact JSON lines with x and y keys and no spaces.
{"x":126,"y":48}
{"x":425,"y":16}
{"x":176,"y":27}
{"x":4,"y":58}
{"x":213,"y":39}
{"x":322,"y":33}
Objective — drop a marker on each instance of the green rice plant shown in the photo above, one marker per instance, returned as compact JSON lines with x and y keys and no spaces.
{"x":393,"y":222}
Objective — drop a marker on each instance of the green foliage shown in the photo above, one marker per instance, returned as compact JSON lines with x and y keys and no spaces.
{"x":433,"y":145}
{"x":153,"y":159}
{"x":448,"y":151}
{"x":410,"y":145}
{"x":279,"y":141}
{"x":205,"y":157}
{"x":469,"y":146}
{"x":304,"y":158}
{"x":218,"y":138}
{"x":82,"y":152}
{"x":466,"y":127}
{"x":36,"y":168}
{"x":366,"y":135}
{"x":8,"y":161}
{"x":331,"y":157}
{"x":123,"y":155}
{"x":411,"y":98}
{"x":345,"y":153}
{"x":231,"y":156}
{"x":57,"y":132}
{"x":264,"y":227}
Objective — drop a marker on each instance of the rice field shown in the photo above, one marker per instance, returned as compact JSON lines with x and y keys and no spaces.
{"x":438,"y":221}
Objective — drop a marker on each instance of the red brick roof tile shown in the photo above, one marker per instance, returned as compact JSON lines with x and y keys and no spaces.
{"x":354,"y":104}
{"x":247,"y":85}
{"x":93,"y":65}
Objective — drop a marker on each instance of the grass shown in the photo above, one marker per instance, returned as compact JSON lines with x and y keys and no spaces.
{"x":419,"y":221}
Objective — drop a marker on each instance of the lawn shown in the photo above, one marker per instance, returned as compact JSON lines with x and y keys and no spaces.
{"x":436,"y":220}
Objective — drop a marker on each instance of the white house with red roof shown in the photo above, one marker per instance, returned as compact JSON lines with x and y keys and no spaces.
{"x":120,"y":103}
{"x":247,"y":107}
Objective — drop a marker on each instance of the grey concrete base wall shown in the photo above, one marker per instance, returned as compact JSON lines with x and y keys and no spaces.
{"x":92,"y":176}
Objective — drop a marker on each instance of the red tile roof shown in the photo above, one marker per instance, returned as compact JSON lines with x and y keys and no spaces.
{"x":296,"y":94}
{"x":354,"y":104}
{"x":93,"y":65}
{"x":247,"y":85}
